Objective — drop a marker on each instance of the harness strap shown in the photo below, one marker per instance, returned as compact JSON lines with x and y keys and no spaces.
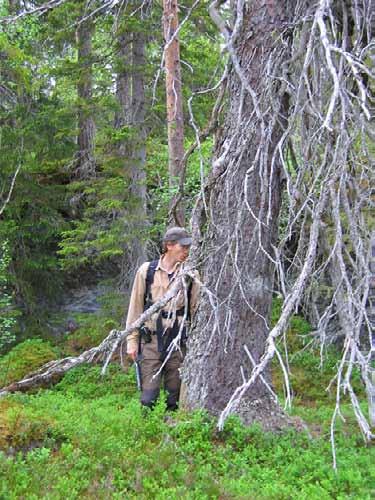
{"x":149,"y":281}
{"x":148,"y":297}
{"x":165,"y":337}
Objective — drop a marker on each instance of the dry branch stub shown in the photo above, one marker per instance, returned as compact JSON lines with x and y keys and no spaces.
{"x":370,"y":386}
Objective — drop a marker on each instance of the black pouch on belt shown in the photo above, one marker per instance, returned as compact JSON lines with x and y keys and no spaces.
{"x":145,"y":334}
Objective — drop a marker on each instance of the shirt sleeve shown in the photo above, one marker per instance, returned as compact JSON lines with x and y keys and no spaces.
{"x":136,"y":305}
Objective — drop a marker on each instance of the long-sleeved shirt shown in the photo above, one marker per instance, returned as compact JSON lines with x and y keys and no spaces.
{"x":161,"y":284}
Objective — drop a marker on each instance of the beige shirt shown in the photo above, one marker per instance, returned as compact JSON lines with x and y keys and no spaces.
{"x":159,"y":287}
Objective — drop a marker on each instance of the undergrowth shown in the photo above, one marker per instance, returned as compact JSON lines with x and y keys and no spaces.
{"x":312,"y":371}
{"x":88,"y":437}
{"x":24,"y":358}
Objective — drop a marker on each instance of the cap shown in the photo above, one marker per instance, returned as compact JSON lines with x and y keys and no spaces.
{"x":178,"y":234}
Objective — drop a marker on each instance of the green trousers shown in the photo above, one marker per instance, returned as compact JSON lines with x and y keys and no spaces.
{"x":169,"y":376}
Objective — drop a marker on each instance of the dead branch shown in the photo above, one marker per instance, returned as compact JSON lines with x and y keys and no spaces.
{"x":7,"y":199}
{"x":52,"y":372}
{"x":328,"y":83}
{"x":200,"y":137}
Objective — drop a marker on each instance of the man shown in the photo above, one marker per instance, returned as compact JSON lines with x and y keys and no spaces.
{"x":151,"y":282}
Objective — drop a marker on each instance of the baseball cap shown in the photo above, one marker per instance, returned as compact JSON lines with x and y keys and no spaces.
{"x":178,"y":234}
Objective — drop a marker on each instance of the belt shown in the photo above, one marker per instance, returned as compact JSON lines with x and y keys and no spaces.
{"x":169,"y":314}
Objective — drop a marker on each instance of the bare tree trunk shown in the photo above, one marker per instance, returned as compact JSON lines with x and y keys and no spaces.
{"x":86,"y":161}
{"x":131,"y":98}
{"x":174,"y":101}
{"x":138,"y":153}
{"x":123,"y":84}
{"x":243,"y":197}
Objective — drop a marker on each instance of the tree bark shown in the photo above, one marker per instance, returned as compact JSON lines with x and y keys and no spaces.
{"x":239,"y":229}
{"x":175,"y":117}
{"x":123,"y":84}
{"x":138,"y":153}
{"x":132,"y":152}
{"x":85,"y":168}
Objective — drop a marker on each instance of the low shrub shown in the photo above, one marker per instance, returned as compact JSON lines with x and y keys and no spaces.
{"x":25,"y":358}
{"x":91,"y":332}
{"x":87,"y":382}
{"x":112,"y":448}
{"x":89,"y":437}
{"x":23,"y":427}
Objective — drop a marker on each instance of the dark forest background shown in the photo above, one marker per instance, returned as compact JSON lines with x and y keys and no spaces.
{"x":83,"y":128}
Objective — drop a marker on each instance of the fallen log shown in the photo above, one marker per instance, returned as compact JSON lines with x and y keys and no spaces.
{"x":53,"y":371}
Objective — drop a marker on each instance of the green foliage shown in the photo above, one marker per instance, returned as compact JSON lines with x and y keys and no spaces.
{"x":92,"y":330}
{"x":159,"y":188}
{"x":59,"y":228}
{"x":29,"y":121}
{"x":311,"y":368}
{"x":88,"y":435}
{"x":88,"y":382}
{"x":112,"y":306}
{"x":98,"y":235}
{"x":25,"y":358}
{"x":23,"y":427}
{"x":98,"y":442}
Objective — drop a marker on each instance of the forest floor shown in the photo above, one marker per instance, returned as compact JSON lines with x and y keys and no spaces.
{"x":87,"y":437}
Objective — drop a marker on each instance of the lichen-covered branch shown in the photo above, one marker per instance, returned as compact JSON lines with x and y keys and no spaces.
{"x":54,"y":370}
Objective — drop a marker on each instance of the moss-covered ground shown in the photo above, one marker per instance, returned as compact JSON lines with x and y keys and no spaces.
{"x":87,"y":437}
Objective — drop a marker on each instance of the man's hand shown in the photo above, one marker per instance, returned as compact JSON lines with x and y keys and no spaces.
{"x":133,"y":354}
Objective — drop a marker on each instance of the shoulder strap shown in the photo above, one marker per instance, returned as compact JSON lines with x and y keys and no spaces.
{"x":149,"y":280}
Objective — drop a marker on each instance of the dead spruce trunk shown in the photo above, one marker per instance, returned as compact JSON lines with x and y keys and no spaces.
{"x":239,"y":226}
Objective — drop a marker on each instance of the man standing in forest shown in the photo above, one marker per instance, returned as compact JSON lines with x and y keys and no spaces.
{"x":151,"y":344}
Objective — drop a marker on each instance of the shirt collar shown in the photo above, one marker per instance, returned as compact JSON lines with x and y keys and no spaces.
{"x":175,"y":267}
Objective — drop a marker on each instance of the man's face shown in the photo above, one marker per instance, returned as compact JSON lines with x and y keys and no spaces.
{"x":178,"y":251}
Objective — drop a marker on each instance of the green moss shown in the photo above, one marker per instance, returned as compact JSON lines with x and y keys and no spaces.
{"x":109,"y":448}
{"x":23,"y":427}
{"x":92,"y":331}
{"x":299,"y":327}
{"x":25,"y":358}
